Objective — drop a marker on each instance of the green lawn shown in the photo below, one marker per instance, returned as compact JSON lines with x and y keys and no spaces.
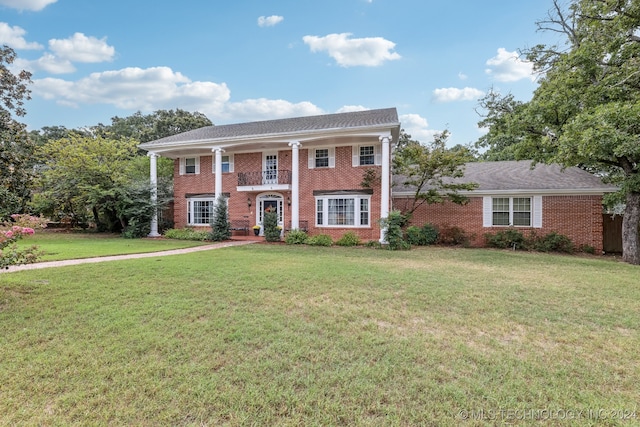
{"x":59,"y":245}
{"x":282,"y":335}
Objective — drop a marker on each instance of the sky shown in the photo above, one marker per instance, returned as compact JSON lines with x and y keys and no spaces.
{"x":247,"y":60}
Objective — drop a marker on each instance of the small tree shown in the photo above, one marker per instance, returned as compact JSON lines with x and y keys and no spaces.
{"x":220,"y":225}
{"x":271,"y":229}
{"x":393,"y":234}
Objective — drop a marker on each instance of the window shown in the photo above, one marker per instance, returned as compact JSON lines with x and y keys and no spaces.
{"x":226,"y":164}
{"x":200,"y":211}
{"x":189,"y":165}
{"x":341,"y":211}
{"x":322,"y":158}
{"x":367,"y":155}
{"x":511,"y":211}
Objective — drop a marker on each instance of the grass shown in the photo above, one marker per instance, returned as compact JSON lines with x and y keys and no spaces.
{"x":280,"y":335}
{"x":60,"y":246}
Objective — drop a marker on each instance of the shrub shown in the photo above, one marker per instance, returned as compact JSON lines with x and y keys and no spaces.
{"x":296,"y":237}
{"x":421,"y":236}
{"x":320,"y":240}
{"x":186,"y":234}
{"x":10,"y":254}
{"x":554,"y":242}
{"x":270,"y":224}
{"x":392,"y":226}
{"x":220,"y":225}
{"x":373,"y":244}
{"x":348,"y":239}
{"x":506,"y":239}
{"x":453,"y":236}
{"x":587,"y":249}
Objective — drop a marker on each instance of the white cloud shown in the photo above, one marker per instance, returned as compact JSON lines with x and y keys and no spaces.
{"x":48,"y":63}
{"x":418,"y":127}
{"x":370,"y":51}
{"x":80,"y":48}
{"x":269,"y":21}
{"x":508,"y":67}
{"x":351,"y":108}
{"x":266,"y":109}
{"x":462,"y":76}
{"x":14,"y":37}
{"x":136,"y":89}
{"x":451,"y":94}
{"x":34,"y":5}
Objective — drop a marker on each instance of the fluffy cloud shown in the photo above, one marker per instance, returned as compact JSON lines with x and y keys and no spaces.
{"x":269,"y":21}
{"x":14,"y":37}
{"x":34,"y":5}
{"x":370,"y":51}
{"x":266,"y":109}
{"x":417,"y":127}
{"x":508,"y":67}
{"x":80,"y":48}
{"x":351,"y":109}
{"x":451,"y":94}
{"x":46,"y":62}
{"x":136,"y":89}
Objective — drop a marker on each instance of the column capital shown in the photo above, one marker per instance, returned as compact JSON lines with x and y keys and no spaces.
{"x":217,"y":150}
{"x":382,"y":138}
{"x":153,"y":154}
{"x":295,"y":144}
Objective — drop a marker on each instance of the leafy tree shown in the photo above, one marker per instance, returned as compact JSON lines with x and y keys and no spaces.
{"x":586,"y":108}
{"x":15,"y":147}
{"x":431,"y":169}
{"x":159,"y":124}
{"x":220,"y":225}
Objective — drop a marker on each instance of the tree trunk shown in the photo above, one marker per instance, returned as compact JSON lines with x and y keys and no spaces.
{"x":630,"y":230}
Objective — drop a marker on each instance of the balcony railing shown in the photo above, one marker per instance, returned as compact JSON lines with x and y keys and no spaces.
{"x":264,"y":178}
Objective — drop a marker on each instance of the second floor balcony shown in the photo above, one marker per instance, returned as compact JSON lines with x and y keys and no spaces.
{"x":264,"y":180}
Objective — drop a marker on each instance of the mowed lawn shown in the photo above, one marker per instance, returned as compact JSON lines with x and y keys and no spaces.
{"x":284,"y":335}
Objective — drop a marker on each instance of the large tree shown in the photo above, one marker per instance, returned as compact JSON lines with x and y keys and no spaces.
{"x":586,"y":110}
{"x":429,"y":170}
{"x":16,"y":148}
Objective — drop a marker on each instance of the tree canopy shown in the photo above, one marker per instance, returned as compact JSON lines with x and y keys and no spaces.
{"x":586,"y":109}
{"x":15,"y":147}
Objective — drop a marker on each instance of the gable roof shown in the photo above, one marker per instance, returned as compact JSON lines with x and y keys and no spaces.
{"x":387,"y":117}
{"x":519,"y":177}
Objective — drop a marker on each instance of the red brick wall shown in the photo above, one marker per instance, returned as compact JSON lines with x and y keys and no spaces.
{"x":577,"y":217}
{"x":343,"y":177}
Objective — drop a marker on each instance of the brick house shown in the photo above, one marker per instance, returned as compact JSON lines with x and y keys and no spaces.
{"x":309,"y":169}
{"x":511,"y":193}
{"x":331,"y":174}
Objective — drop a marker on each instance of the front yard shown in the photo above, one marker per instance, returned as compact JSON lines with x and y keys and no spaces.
{"x":283,"y":335}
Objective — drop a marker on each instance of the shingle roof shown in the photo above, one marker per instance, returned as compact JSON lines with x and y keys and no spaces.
{"x":368,"y":118}
{"x":518,"y":175}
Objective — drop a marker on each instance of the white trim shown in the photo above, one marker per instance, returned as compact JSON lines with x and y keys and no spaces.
{"x":190,"y":201}
{"x":536,"y":212}
{"x":183,"y":165}
{"x":516,"y":192}
{"x":535,"y":219}
{"x":311,"y":159}
{"x":487,"y":211}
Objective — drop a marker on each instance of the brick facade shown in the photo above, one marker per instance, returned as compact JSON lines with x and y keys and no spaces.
{"x":575,"y":216}
{"x":344,"y":176}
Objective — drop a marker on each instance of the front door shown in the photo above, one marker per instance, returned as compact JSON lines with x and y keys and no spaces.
{"x":270,"y":202}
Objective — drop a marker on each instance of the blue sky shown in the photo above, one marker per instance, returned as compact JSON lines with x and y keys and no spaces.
{"x":246,"y":60}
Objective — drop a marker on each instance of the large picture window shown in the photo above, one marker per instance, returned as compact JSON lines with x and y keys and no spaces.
{"x":343,"y":211}
{"x":200,"y":211}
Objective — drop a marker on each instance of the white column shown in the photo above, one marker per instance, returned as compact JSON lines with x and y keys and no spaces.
{"x":295,"y":187}
{"x":218,"y":171}
{"x":385,"y":193}
{"x":153,"y":157}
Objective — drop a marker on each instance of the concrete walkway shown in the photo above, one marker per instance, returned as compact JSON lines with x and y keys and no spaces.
{"x":50,"y":264}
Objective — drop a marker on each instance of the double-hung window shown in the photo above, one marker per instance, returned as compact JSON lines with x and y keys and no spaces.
{"x":513,"y":211}
{"x":226,"y":163}
{"x":322,"y":158}
{"x":343,"y":210}
{"x":366,"y":155}
{"x":189,"y":165}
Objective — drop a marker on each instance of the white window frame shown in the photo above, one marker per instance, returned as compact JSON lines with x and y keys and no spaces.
{"x":535,"y":211}
{"x":355,"y":155}
{"x":183,"y":165}
{"x":230,"y":163}
{"x":190,"y":210}
{"x":312,"y":157}
{"x":323,"y":203}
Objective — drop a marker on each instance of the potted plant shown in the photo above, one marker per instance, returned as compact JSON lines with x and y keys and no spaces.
{"x":256,"y":230}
